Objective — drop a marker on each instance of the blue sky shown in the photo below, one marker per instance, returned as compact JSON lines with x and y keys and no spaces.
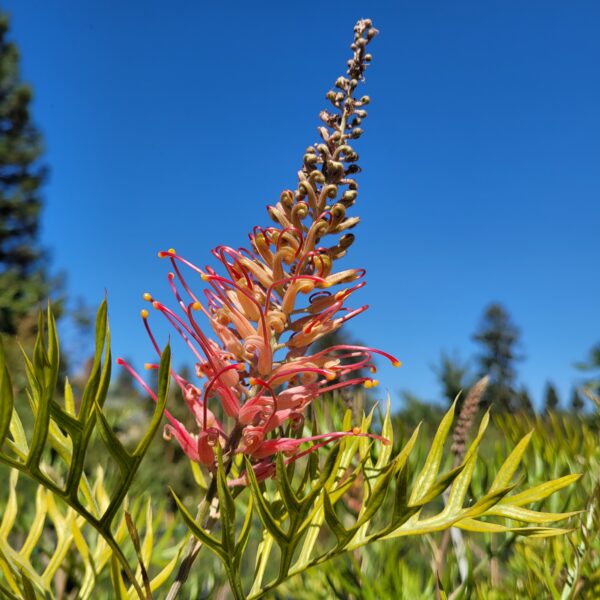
{"x":174,"y":124}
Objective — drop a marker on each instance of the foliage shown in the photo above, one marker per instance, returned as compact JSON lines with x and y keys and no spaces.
{"x":270,"y":506}
{"x":23,"y":280}
{"x":551,"y":400}
{"x":498,"y":338}
{"x":566,"y":566}
{"x":312,"y":513}
{"x":65,"y":431}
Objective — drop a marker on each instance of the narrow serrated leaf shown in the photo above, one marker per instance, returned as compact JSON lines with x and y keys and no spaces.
{"x":112,"y":442}
{"x":528,"y":516}
{"x":6,"y":396}
{"x":227,"y":507}
{"x":462,"y":482}
{"x":197,"y":531}
{"x":511,"y":464}
{"x":285,"y":488}
{"x":426,"y":478}
{"x":244,"y":536}
{"x":266,"y":516}
{"x":377,"y":495}
{"x":28,"y":589}
{"x":164,"y":377}
{"x":263,"y":554}
{"x":9,"y":513}
{"x":387,"y":432}
{"x":341,"y":533}
{"x":69,"y":399}
{"x":541,"y":491}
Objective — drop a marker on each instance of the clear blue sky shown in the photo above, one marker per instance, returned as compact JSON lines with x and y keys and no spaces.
{"x":175,"y":123}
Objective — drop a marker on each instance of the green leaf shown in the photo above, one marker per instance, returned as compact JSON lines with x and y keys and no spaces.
{"x":462,"y":482}
{"x":341,"y":533}
{"x":401,"y":511}
{"x":377,"y":495}
{"x":28,"y":589}
{"x":112,"y":442}
{"x":426,"y":478}
{"x":198,"y":532}
{"x":6,"y":397}
{"x":541,"y":491}
{"x":387,"y":432}
{"x":44,"y":370}
{"x":91,"y":387}
{"x":117,"y":580}
{"x":227,"y":507}
{"x":328,"y":474}
{"x":528,"y":516}
{"x":53,"y":352}
{"x":266,"y":516}
{"x":245,"y":533}
{"x":262,"y":559}
{"x":285,"y":488}
{"x":164,"y":378}
{"x":511,"y":464}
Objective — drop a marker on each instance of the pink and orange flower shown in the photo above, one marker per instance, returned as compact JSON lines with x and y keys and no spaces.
{"x":268,"y":304}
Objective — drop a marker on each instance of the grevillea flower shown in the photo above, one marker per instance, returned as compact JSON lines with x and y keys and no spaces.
{"x":267,"y":304}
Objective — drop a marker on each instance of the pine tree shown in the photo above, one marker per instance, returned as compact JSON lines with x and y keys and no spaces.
{"x":577,"y":402}
{"x":23,"y":280}
{"x":551,"y":400}
{"x":498,"y":338}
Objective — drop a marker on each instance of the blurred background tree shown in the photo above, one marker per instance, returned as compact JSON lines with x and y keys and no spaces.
{"x":498,"y":338}
{"x":24,"y":280}
{"x":551,"y":399}
{"x":577,"y":403}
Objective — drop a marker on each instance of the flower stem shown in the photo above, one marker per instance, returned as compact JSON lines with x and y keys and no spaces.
{"x":193,"y":545}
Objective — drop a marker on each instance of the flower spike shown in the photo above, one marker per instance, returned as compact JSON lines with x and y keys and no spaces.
{"x":268,"y":304}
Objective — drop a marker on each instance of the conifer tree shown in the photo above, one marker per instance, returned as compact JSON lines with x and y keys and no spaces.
{"x":577,"y":402}
{"x":551,"y":400}
{"x":23,"y":279}
{"x":498,"y":338}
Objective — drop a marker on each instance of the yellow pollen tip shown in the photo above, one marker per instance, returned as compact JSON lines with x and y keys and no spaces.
{"x":204,"y":277}
{"x":330,"y":376}
{"x":240,"y":367}
{"x":196,"y":306}
{"x":368,"y":384}
{"x":147,"y":297}
{"x":172,"y":251}
{"x":396,"y":363}
{"x":373,"y":370}
{"x":375,"y":382}
{"x":144,"y":313}
{"x":355,"y":430}
{"x":148,"y":366}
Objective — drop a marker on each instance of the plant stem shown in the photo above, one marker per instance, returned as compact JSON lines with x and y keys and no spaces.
{"x":193,"y":545}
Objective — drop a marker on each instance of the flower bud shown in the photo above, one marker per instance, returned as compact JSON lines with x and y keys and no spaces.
{"x":341,"y":83}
